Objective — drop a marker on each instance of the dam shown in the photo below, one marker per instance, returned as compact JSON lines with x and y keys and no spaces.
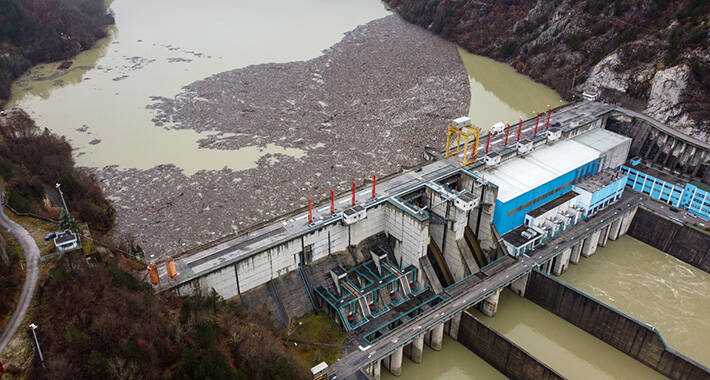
{"x":399,"y":261}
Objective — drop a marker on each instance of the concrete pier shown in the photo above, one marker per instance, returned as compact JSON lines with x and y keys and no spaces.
{"x":489,"y":306}
{"x":518,"y":286}
{"x":395,"y":362}
{"x":591,"y":243}
{"x":454,"y":324}
{"x":576,"y":252}
{"x":437,"y":337}
{"x":626,"y":220}
{"x":416,"y":353}
{"x":615,"y":229}
{"x":562,"y":262}
{"x":604,"y":237}
{"x":374,"y":370}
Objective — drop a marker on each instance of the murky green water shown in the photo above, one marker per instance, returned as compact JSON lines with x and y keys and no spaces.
{"x":156,"y":47}
{"x":567,"y":349}
{"x":453,"y":362}
{"x":653,"y":287}
{"x":499,"y":93}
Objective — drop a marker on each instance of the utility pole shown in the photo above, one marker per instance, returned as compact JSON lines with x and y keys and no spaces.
{"x":61,"y":195}
{"x":34,"y":327}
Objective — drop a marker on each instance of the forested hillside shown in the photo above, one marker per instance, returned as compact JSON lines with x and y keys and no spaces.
{"x":651,"y":55}
{"x":33,"y":160}
{"x":37,"y":31}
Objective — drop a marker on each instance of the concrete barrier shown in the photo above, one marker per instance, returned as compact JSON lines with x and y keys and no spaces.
{"x":680,"y":241}
{"x":501,"y":353}
{"x":635,"y":338}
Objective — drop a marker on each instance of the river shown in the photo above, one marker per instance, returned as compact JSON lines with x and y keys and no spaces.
{"x":157,"y":47}
{"x":567,"y":349}
{"x":653,"y":287}
{"x":453,"y":362}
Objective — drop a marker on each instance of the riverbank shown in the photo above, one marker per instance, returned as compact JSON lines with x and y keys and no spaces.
{"x":365,"y":107}
{"x":32,"y":33}
{"x":648,"y":56}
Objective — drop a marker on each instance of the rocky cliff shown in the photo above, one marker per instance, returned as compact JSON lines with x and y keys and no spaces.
{"x":650,"y":55}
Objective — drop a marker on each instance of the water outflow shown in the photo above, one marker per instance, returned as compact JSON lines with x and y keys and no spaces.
{"x":653,"y":287}
{"x":567,"y":349}
{"x":453,"y":362}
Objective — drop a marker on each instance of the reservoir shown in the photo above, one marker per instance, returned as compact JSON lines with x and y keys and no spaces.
{"x":499,"y":93}
{"x":157,"y":47}
{"x":653,"y":287}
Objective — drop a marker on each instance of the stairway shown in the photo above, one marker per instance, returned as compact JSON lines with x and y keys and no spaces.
{"x":475,"y":248}
{"x":309,"y":288}
{"x":280,"y":314}
{"x":431,"y":275}
{"x":439,"y":262}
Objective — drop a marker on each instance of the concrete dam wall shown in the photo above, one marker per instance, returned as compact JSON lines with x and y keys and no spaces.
{"x":683,"y":242}
{"x":500,"y":352}
{"x":625,"y":333}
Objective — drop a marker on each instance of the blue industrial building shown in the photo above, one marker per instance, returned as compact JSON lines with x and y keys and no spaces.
{"x":668,"y":189}
{"x":548,"y":190}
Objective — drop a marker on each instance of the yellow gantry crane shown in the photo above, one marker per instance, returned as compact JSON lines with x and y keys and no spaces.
{"x":460,"y":135}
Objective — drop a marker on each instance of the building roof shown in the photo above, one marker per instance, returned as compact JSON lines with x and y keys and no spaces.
{"x":66,"y":237}
{"x":520,"y":175}
{"x":598,"y":181}
{"x":601,"y":140}
{"x":655,"y":172}
{"x":516,"y":238}
{"x":552,"y":204}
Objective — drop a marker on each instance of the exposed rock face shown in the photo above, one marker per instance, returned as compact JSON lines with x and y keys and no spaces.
{"x":668,"y":93}
{"x":615,"y":46}
{"x":605,"y":74}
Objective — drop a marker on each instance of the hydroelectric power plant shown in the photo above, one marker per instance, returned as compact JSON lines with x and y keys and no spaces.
{"x":398,"y":262}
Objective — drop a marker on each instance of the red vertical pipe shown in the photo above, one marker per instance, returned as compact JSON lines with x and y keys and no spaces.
{"x":507,"y":132}
{"x":332,"y":202}
{"x":519,"y":131}
{"x":488,"y":143}
{"x":374,"y":187}
{"x":547,"y":123}
{"x":537,"y":122}
{"x":310,"y":210}
{"x":474,"y":152}
{"x":353,"y":194}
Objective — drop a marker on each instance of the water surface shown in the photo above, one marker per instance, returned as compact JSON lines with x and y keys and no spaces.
{"x":453,"y":362}
{"x":653,"y":287}
{"x":567,"y":349}
{"x":499,"y":93}
{"x":159,"y":46}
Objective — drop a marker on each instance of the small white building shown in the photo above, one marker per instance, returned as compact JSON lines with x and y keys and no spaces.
{"x":66,"y":241}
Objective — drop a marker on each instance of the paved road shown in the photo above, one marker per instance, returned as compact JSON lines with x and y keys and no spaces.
{"x":31,"y":252}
